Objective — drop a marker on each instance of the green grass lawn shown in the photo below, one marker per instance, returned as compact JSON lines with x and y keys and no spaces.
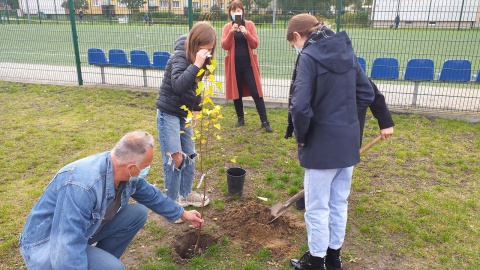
{"x":414,"y":202}
{"x":51,"y":44}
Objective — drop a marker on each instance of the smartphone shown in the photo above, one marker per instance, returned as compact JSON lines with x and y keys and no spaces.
{"x":238,"y":19}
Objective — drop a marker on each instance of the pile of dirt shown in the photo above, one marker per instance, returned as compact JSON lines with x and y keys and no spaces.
{"x":247,"y":224}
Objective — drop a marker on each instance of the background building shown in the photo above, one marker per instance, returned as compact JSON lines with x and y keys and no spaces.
{"x":421,"y":13}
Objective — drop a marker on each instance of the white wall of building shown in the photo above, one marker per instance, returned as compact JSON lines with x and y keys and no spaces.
{"x":426,"y":10}
{"x":45,"y":6}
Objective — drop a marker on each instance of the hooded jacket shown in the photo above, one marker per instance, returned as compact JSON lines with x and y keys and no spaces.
{"x":329,"y":90}
{"x":178,"y":85}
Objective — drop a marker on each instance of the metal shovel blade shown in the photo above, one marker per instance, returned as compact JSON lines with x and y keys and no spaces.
{"x":278,"y":209}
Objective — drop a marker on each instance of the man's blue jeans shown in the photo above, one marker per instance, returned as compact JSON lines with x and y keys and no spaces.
{"x":326,"y":194}
{"x":114,"y":237}
{"x":174,"y":137}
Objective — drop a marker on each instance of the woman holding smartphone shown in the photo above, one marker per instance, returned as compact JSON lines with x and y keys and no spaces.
{"x":242,"y":73}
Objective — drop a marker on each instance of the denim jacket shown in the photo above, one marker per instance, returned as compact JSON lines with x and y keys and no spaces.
{"x":72,"y":207}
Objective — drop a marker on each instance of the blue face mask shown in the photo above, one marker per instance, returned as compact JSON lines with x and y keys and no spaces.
{"x":299,"y":51}
{"x":143,"y":173}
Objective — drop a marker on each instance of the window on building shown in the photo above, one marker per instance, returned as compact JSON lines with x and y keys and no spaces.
{"x":176,"y":4}
{"x":164,"y":4}
{"x":195,"y":5}
{"x":206,"y":5}
{"x":97,"y":3}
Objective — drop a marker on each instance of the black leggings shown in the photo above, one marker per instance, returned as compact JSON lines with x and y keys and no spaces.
{"x":244,"y":74}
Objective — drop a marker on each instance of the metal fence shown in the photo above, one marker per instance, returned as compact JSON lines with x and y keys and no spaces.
{"x":428,"y":58}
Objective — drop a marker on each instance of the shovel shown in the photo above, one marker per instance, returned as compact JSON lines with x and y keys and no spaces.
{"x":278,"y":209}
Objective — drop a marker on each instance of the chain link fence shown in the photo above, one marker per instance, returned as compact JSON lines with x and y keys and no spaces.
{"x":422,"y":53}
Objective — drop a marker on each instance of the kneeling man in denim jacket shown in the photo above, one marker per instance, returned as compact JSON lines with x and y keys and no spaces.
{"x":83,"y":219}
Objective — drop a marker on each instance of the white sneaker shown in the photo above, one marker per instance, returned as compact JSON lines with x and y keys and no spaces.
{"x":193,"y":199}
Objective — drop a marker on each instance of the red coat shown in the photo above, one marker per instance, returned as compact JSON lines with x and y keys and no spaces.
{"x":228,"y":44}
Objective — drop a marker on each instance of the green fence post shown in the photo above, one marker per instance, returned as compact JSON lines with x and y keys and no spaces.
{"x":38,"y":12}
{"x":339,"y":15}
{"x":110,"y":13}
{"x":461,"y":13}
{"x":8,"y":17}
{"x":75,"y":41}
{"x":190,"y":14}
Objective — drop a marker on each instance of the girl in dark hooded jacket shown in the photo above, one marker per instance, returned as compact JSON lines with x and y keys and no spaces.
{"x":178,"y":89}
{"x":328,"y":91}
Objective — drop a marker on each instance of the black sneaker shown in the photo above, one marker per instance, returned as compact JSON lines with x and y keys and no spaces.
{"x":308,"y":262}
{"x":333,"y":261}
{"x":300,"y":204}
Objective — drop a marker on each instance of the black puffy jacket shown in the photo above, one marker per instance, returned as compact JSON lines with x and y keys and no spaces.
{"x":178,"y":85}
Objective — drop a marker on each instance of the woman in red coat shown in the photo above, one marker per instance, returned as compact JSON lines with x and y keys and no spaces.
{"x":242,"y":74}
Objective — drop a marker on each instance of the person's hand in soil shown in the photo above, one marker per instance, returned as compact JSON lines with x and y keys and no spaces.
{"x":194,"y":217}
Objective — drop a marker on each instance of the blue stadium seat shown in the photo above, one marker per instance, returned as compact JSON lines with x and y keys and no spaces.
{"x":139,"y":59}
{"x":385,"y":68}
{"x":419,"y":69}
{"x":118,"y":57}
{"x":363,"y":63}
{"x":457,"y":70}
{"x":97,"y":57}
{"x":160,"y":59}
{"x":478,"y":76}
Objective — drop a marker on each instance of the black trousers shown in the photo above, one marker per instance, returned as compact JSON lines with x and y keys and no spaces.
{"x":244,"y":74}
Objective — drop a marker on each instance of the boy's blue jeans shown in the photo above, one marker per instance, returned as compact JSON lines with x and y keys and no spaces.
{"x":326,"y":194}
{"x":178,"y":181}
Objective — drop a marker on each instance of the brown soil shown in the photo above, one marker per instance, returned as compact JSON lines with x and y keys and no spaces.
{"x":244,"y":223}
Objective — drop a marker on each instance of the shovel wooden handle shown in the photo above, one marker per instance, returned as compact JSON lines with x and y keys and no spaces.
{"x":370,"y":144}
{"x":279,"y":209}
{"x":295,"y":198}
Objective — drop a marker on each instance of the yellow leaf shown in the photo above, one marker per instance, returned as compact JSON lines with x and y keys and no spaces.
{"x":200,"y":72}
{"x":182,"y":132}
{"x":183,"y":107}
{"x":200,"y":87}
{"x":218,"y":137}
{"x":187,"y":126}
{"x":212,"y":66}
{"x":217,"y":126}
{"x":209,"y":91}
{"x":213,"y":63}
{"x":219,"y":85}
{"x":203,"y":141}
{"x":234,"y":159}
{"x":207,"y":100}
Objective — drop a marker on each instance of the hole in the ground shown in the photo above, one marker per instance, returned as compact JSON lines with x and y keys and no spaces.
{"x":184,"y":245}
